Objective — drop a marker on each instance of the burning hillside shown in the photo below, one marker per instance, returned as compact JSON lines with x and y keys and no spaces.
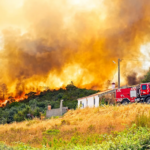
{"x":50,"y":43}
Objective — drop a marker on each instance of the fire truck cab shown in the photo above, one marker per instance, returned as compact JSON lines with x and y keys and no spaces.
{"x":139,"y":93}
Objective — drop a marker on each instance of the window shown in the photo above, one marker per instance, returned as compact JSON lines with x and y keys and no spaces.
{"x":83,"y":105}
{"x":80,"y":103}
{"x":144,"y":87}
{"x":94,"y":101}
{"x":133,"y":94}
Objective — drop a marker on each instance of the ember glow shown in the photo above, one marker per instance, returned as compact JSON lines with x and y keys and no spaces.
{"x":13,"y":99}
{"x":51,"y":43}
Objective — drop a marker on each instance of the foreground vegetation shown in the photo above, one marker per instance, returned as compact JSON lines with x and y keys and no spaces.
{"x":37,"y":104}
{"x":134,"y":138}
{"x":106,"y":127}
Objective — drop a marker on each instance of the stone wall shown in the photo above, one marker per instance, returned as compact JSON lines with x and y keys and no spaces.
{"x":57,"y":112}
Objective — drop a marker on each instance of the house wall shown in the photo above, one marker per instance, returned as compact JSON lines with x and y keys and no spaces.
{"x":89,"y":102}
{"x":83,"y":101}
{"x":64,"y":110}
{"x":96,"y":101}
{"x":110,"y":97}
{"x":53,"y":112}
{"x":57,"y":112}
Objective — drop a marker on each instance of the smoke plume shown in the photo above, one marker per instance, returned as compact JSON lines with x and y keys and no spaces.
{"x":132,"y":79}
{"x":50,"y":43}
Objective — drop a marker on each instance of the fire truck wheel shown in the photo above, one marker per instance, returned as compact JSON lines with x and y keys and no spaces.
{"x":148,"y":100}
{"x":125,"y":102}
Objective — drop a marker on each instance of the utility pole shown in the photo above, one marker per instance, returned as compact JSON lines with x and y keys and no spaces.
{"x":119,"y":73}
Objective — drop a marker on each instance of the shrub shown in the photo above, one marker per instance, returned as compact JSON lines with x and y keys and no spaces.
{"x":65,"y":122}
{"x":142,"y":120}
{"x":60,"y":95}
{"x":146,"y":77}
{"x":52,"y":132}
{"x":4,"y":147}
{"x":91,"y":128}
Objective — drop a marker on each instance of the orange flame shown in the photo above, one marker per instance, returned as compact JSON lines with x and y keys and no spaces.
{"x":13,"y":99}
{"x":71,"y":41}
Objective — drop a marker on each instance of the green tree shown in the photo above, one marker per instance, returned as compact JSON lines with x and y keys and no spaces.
{"x":71,"y":87}
{"x":19,"y":116}
{"x":22,"y":115}
{"x":146,"y":77}
{"x":36,"y":112}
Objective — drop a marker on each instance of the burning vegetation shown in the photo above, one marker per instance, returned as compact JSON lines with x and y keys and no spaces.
{"x":46,"y":44}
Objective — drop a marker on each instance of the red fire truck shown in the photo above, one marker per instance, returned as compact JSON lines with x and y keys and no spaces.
{"x":139,"y":93}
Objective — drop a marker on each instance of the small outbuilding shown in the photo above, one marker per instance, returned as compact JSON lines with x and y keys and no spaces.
{"x":56,"y":112}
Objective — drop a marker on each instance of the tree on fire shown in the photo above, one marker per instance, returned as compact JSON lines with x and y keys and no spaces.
{"x":20,"y":88}
{"x":11,"y":99}
{"x":30,"y":94}
{"x":4,"y":90}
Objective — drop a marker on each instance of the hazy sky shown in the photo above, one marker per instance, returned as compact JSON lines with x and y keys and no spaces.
{"x":54,"y":42}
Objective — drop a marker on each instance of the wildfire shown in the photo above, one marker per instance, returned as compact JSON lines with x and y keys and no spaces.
{"x":70,"y":41}
{"x":22,"y":97}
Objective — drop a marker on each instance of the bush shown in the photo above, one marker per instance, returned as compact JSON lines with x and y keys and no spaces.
{"x":146,"y":77}
{"x":52,"y":132}
{"x":4,"y":147}
{"x":60,"y":95}
{"x":37,"y":112}
{"x":41,"y":104}
{"x":142,"y":120}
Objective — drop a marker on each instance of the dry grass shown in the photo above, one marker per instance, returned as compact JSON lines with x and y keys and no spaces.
{"x":81,"y":121}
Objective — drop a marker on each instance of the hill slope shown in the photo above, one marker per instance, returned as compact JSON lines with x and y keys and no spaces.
{"x":81,"y":126}
{"x":37,"y":104}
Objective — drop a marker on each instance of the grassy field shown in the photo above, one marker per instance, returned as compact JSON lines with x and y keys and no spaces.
{"x":87,"y":128}
{"x":135,"y":138}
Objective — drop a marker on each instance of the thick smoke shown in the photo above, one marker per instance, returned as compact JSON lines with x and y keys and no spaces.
{"x":132,"y":79}
{"x":61,"y":41}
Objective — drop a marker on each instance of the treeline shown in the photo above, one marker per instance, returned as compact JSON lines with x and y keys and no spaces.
{"x":36,"y":105}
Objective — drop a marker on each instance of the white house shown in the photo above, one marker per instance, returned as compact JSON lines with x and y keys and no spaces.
{"x":94,"y":100}
{"x":89,"y":101}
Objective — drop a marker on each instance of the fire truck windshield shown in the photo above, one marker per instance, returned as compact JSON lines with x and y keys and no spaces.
{"x":143,"y":87}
